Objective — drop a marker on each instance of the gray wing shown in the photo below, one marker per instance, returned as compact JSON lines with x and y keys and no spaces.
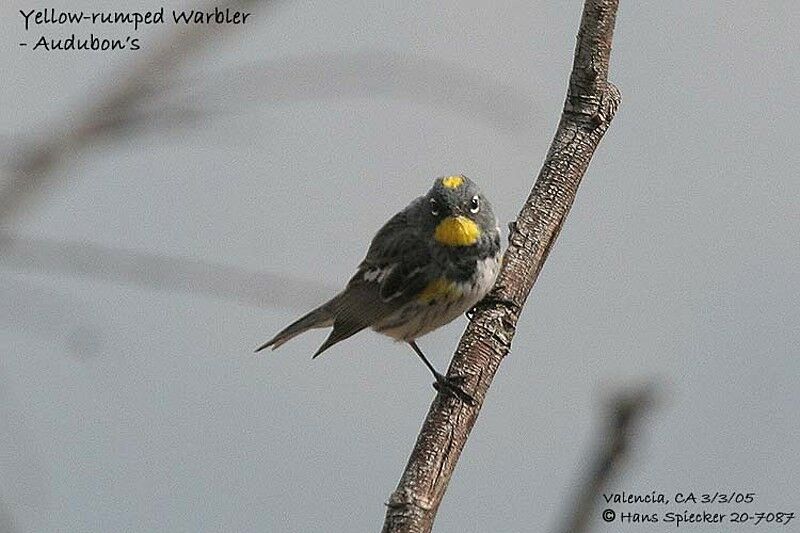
{"x":396,"y":269}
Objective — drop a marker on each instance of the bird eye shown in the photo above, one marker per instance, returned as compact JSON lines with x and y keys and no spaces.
{"x":434,"y":207}
{"x":474,"y":204}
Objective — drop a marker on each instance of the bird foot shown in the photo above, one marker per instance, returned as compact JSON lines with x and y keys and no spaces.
{"x":452,"y":385}
{"x":490,"y":300}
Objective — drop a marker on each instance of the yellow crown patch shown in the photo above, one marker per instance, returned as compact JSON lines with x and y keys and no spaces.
{"x":453,"y":182}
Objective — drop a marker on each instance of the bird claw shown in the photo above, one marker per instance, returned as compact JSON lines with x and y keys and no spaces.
{"x":490,"y":300}
{"x":512,"y":227}
{"x":453,"y":386}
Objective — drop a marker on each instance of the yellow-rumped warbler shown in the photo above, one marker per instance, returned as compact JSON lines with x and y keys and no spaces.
{"x":428,"y":264}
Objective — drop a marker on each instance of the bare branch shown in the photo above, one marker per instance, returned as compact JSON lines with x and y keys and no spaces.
{"x":622,"y":418}
{"x":589,"y":108}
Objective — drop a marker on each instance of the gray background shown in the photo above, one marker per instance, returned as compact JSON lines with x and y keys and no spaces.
{"x":131,"y":407}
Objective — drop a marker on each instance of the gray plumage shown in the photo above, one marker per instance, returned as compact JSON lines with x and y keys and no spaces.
{"x":392,"y":289}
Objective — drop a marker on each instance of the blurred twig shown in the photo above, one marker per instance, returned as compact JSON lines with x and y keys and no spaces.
{"x":118,"y":110}
{"x":588,"y":110}
{"x":622,"y":417}
{"x":153,"y":93}
{"x":132,"y":100}
{"x":160,"y":272}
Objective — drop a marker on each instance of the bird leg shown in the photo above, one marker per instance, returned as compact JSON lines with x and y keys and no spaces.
{"x":444,"y":384}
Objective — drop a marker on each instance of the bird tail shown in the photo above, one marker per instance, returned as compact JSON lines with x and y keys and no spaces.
{"x":321,"y":317}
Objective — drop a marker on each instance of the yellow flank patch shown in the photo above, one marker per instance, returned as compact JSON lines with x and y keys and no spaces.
{"x":439,"y":289}
{"x":457,"y":231}
{"x":452,"y":182}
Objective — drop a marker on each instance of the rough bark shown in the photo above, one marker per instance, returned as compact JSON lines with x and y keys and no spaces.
{"x":590,"y":105}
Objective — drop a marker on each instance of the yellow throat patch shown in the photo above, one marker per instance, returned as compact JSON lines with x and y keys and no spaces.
{"x":452,"y":182}
{"x":457,"y":231}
